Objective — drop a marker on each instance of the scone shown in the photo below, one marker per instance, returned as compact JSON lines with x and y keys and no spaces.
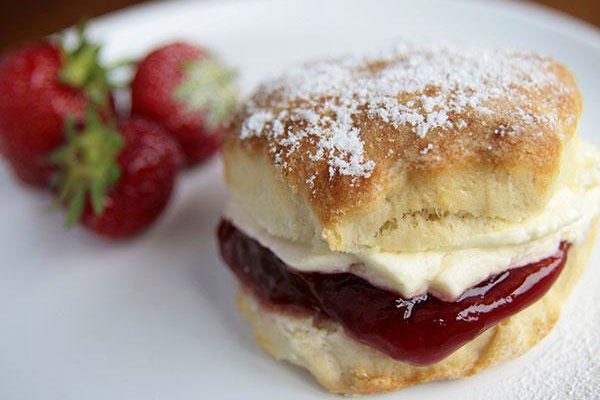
{"x":417,"y":215}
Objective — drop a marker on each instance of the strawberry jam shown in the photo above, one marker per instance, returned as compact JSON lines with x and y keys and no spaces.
{"x":421,"y":330}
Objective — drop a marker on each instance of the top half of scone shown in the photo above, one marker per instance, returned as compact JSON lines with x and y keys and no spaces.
{"x":421,"y":148}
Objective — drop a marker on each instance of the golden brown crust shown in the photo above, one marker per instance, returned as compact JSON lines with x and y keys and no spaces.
{"x":344,"y":366}
{"x":452,"y":159}
{"x":496,"y":139}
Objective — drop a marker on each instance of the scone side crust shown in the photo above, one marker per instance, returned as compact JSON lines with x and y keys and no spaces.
{"x":495,"y":140}
{"x":428,"y":214}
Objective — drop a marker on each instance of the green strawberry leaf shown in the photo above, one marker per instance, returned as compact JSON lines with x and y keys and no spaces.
{"x":87,"y":165}
{"x":76,"y":206}
{"x":83,"y":69}
{"x":208,"y":87}
{"x":98,"y":196}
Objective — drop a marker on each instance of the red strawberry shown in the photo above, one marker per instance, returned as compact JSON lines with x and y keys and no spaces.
{"x":117,"y":182}
{"x":39,"y":86}
{"x":187,"y":91}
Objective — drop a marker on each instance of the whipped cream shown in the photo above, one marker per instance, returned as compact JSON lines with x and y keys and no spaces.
{"x":447,"y":274}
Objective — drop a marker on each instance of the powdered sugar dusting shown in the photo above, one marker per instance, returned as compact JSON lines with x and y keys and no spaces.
{"x":425,"y":88}
{"x":426,"y":149}
{"x":255,"y":124}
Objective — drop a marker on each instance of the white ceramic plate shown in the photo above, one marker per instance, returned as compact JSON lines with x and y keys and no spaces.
{"x":154,"y":318}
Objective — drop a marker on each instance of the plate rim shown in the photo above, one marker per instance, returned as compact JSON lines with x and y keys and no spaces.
{"x":541,"y":15}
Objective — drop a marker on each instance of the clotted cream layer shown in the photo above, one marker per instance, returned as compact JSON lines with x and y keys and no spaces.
{"x":447,"y":274}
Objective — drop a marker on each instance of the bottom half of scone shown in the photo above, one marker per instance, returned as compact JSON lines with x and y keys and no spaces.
{"x":358,"y":340}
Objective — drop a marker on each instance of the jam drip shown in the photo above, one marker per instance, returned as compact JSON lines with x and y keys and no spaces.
{"x":421,"y":330}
